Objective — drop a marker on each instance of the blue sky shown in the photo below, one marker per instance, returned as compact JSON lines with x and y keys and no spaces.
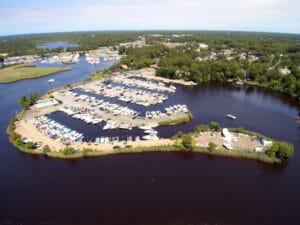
{"x":35,"y":16}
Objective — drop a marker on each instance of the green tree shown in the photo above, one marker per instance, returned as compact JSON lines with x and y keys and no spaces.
{"x":188,"y":141}
{"x":33,"y":97}
{"x":200,"y":128}
{"x":214,"y":126}
{"x":212,"y":146}
{"x":281,"y":150}
{"x":23,"y":102}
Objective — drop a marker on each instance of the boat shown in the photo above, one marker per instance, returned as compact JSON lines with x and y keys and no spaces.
{"x":125,"y":126}
{"x":150,"y":137}
{"x":230,"y":116}
{"x":107,"y":126}
{"x":144,"y":127}
{"x":150,"y":131}
{"x":227,"y":146}
{"x":239,"y":82}
{"x":51,"y":80}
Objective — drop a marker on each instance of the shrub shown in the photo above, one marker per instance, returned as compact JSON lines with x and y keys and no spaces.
{"x":201,"y":128}
{"x":19,"y":142}
{"x":280,"y":150}
{"x":30,"y":145}
{"x":188,"y":141}
{"x":46,"y":149}
{"x":178,"y":135}
{"x":68,"y":151}
{"x":214,"y":126}
{"x":212,"y":146}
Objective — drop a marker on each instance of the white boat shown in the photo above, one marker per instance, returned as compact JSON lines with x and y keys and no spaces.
{"x":227,"y":146}
{"x":51,"y":80}
{"x":151,"y":131}
{"x":145,"y":127}
{"x":150,"y":137}
{"x":230,"y":116}
{"x":107,"y":126}
{"x":125,"y":126}
{"x":239,"y":82}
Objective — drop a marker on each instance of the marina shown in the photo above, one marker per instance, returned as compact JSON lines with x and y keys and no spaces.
{"x":107,"y":106}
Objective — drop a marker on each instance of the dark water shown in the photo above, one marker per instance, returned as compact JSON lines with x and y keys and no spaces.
{"x":52,"y":45}
{"x":156,"y":188}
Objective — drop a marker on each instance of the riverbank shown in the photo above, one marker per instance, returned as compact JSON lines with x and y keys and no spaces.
{"x":22,"y":72}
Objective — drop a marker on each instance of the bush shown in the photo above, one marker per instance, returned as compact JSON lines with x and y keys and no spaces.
{"x":188,"y":141}
{"x":281,"y":150}
{"x":69,"y":151}
{"x":200,"y":128}
{"x":179,"y":134}
{"x":30,"y":145}
{"x":19,"y":142}
{"x":212,"y":146}
{"x":214,"y":126}
{"x":46,"y":149}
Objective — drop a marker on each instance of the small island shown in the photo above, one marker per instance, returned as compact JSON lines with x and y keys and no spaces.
{"x":32,"y":131}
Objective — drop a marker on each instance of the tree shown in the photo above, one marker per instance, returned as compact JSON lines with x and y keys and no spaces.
{"x":23,"y":102}
{"x":280,"y":150}
{"x":200,"y":128}
{"x":285,"y":150}
{"x":33,"y":97}
{"x":212,"y":146}
{"x":214,"y":126}
{"x":188,"y":142}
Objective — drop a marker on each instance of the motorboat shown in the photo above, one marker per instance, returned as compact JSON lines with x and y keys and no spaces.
{"x":230,"y":116}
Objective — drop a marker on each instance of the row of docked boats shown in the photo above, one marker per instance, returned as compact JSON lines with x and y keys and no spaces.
{"x":176,"y":108}
{"x":56,"y":130}
{"x":125,"y":94}
{"x":89,"y":117}
{"x":168,"y":111}
{"x":83,"y":115}
{"x":147,"y":84}
{"x":100,"y":104}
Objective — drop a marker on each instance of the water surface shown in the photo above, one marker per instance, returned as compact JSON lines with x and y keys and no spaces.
{"x":52,"y":45}
{"x":155,"y":188}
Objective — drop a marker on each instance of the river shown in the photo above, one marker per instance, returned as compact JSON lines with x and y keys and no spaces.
{"x":155,"y":188}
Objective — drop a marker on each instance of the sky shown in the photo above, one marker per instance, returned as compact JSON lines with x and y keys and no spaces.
{"x":40,"y":16}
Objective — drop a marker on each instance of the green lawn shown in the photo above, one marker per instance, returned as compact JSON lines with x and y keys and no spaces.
{"x":21,"y":72}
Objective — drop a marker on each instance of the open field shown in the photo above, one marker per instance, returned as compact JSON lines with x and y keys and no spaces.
{"x":21,"y":72}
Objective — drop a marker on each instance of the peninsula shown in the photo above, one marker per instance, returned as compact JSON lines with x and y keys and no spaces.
{"x":34,"y":132}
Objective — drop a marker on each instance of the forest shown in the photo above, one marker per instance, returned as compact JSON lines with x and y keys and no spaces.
{"x":265,"y":56}
{"x":267,"y":59}
{"x":27,"y":44}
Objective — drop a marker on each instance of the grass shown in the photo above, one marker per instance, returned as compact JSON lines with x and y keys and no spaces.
{"x":168,"y":148}
{"x":21,"y":72}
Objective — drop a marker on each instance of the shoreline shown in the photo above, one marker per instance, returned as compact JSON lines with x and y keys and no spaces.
{"x":20,"y":126}
{"x":167,"y":146}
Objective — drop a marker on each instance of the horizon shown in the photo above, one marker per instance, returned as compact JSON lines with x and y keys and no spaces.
{"x":150,"y":31}
{"x":35,"y":17}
